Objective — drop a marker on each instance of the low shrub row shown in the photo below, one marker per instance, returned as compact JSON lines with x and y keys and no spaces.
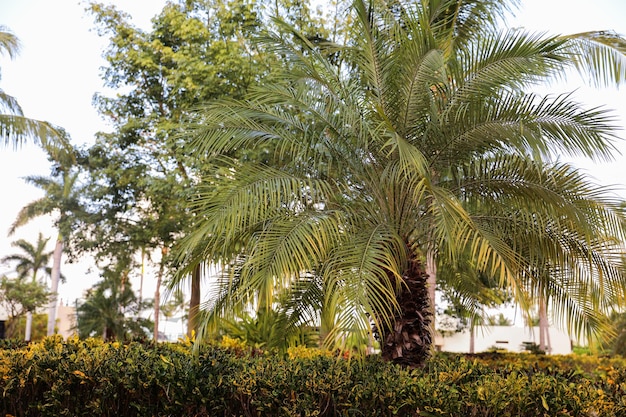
{"x":91,"y":378}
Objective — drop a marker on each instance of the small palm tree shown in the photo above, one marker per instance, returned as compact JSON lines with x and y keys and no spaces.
{"x":34,"y":258}
{"x":111,"y":309}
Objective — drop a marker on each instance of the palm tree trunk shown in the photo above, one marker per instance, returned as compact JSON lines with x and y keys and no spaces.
{"x":431,"y":270}
{"x":408,"y":340}
{"x":55,"y":276}
{"x":544,"y":337}
{"x":472,"y":341}
{"x":431,"y":282}
{"x":194,"y":302}
{"x":29,"y":326}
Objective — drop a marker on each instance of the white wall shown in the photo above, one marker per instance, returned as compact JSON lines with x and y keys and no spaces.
{"x":504,"y":337}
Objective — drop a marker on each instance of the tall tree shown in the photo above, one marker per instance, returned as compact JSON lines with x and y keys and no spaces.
{"x":423,"y":146}
{"x":61,"y":198}
{"x":32,"y":260}
{"x":140,"y":175}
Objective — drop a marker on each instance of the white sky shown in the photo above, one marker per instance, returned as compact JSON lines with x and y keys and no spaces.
{"x":57,"y":73}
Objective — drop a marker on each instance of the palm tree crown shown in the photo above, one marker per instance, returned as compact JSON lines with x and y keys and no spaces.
{"x":34,"y":258}
{"x":413,"y":148}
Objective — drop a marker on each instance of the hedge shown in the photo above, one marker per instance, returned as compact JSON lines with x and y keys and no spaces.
{"x":92,"y":378}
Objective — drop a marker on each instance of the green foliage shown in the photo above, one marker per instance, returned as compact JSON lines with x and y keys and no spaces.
{"x":499,"y":320}
{"x":39,"y":327}
{"x":111,"y":310}
{"x":419,"y":144}
{"x":615,"y":342}
{"x":19,"y":296}
{"x":91,"y":378}
{"x":269,"y":330}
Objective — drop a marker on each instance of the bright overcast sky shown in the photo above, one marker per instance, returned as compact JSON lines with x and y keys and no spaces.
{"x":57,"y":73}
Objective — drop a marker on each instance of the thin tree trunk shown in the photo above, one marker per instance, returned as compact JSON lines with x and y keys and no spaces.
{"x":543,"y":325}
{"x":472,"y":341}
{"x":194,"y":302}
{"x":157,"y":295}
{"x":55,"y":276}
{"x":28,"y":332}
{"x":143,"y":270}
{"x":29,"y":326}
{"x":431,"y":284}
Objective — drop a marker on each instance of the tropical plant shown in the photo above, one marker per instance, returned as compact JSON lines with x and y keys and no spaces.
{"x":269,"y":330}
{"x":111,"y":308}
{"x":15,"y":128}
{"x":499,"y":320}
{"x":62,"y":197}
{"x":414,"y":145}
{"x":34,"y":258}
{"x":19,"y":296}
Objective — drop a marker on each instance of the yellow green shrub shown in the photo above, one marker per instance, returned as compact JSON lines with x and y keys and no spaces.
{"x":92,"y":378}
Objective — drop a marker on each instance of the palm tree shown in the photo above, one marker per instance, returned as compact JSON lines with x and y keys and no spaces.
{"x":61,"y":197}
{"x":15,"y":128}
{"x":410,"y":148}
{"x":111,"y":308}
{"x":34,"y":258}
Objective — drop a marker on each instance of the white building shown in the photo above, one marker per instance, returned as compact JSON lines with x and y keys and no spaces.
{"x":511,"y":338}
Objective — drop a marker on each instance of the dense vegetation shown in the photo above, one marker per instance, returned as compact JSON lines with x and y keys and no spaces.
{"x":91,"y":378}
{"x":337,"y":168}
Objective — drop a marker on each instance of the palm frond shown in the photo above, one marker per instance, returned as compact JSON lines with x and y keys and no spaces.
{"x":16,"y":129}
{"x":601,"y":55}
{"x":9,"y":43}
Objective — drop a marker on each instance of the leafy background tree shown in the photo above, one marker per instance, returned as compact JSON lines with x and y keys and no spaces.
{"x":31,"y":260}
{"x":139,"y":175}
{"x":19,"y":296}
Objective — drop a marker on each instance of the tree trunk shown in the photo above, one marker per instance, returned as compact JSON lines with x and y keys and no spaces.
{"x":157,"y":295}
{"x":544,"y":326}
{"x":408,"y":341}
{"x":472,"y":341}
{"x":431,"y":282}
{"x":28,"y":331}
{"x":143,"y":270}
{"x":29,"y":326}
{"x":55,"y":276}
{"x":194,"y":302}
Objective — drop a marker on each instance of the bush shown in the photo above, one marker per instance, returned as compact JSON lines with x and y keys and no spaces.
{"x":92,"y":378}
